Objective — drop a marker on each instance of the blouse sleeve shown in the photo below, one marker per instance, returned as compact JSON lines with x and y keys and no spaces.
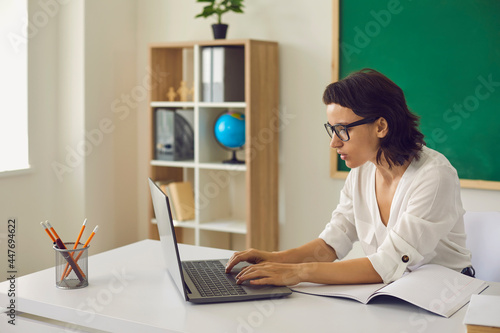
{"x":340,"y":232}
{"x":433,"y":210}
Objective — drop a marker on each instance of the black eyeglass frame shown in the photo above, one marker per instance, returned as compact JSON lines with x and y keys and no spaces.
{"x":338,"y":127}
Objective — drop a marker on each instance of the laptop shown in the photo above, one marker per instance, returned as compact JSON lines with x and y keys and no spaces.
{"x":202,"y":281}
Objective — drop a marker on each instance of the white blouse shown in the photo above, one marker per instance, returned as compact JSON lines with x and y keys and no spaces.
{"x":425,"y":225}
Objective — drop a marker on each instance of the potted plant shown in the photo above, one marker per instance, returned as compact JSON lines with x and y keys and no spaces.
{"x":219,"y":7}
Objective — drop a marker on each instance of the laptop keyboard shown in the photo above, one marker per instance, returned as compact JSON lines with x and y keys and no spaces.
{"x":211,"y":279}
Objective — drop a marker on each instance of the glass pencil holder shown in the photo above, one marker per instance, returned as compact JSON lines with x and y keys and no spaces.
{"x":71,"y":266}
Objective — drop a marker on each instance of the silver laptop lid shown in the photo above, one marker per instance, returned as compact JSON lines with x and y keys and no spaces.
{"x":168,"y":241}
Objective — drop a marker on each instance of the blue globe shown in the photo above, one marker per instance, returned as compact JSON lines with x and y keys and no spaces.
{"x":230,"y":130}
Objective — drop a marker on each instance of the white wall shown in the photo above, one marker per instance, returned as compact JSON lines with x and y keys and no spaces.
{"x":88,"y":64}
{"x":111,"y":94}
{"x":76,"y":72}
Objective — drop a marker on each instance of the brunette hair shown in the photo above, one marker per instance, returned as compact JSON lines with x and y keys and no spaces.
{"x":369,"y":93}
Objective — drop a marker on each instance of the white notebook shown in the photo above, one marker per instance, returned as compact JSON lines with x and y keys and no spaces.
{"x":483,"y":310}
{"x":432,"y":287}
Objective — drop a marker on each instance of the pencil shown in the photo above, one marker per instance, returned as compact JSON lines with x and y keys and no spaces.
{"x":80,"y":234}
{"x":91,"y":236}
{"x":48,"y":232}
{"x":84,"y":246}
{"x":74,"y":247}
{"x":52,"y":229}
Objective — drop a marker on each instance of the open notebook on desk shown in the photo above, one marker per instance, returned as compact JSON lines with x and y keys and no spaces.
{"x":432,"y":287}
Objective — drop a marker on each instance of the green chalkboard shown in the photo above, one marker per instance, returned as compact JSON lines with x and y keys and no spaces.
{"x":445,"y":55}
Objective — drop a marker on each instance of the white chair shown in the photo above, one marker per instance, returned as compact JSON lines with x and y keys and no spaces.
{"x":483,"y":239}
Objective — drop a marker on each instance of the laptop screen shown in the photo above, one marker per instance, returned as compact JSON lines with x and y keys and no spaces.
{"x":167,"y":235}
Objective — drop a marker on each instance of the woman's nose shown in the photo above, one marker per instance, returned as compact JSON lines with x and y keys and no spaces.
{"x":335,"y":142}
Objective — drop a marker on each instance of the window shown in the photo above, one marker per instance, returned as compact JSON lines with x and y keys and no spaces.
{"x":13,"y":85}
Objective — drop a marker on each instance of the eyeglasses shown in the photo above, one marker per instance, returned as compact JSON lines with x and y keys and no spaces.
{"x":341,"y":130}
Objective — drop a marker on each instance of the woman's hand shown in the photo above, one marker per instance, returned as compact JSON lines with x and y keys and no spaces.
{"x":284,"y":267}
{"x":266,"y":268}
{"x":266,"y":273}
{"x":251,"y":256}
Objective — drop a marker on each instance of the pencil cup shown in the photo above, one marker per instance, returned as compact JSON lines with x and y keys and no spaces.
{"x":71,"y":266}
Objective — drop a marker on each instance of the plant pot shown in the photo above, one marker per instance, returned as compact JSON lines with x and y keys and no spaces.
{"x":219,"y":30}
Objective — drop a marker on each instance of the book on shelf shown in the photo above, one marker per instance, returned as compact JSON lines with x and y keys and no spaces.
{"x":163,"y":185}
{"x":434,"y":288}
{"x":483,"y":314}
{"x":223,"y":74}
{"x":182,"y":200}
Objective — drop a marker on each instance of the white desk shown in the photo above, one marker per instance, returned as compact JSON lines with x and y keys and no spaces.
{"x":130,"y":291}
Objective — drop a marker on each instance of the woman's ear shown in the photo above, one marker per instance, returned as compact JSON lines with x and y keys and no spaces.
{"x":382,"y":127}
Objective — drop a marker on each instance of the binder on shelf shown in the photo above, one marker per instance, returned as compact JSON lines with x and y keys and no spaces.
{"x":206,"y":74}
{"x":182,"y":199}
{"x":223,"y":74}
{"x":174,"y":134}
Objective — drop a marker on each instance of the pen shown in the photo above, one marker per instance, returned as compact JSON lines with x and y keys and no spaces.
{"x":74,"y":247}
{"x":48,"y":232}
{"x":69,"y":259}
{"x":85,"y":245}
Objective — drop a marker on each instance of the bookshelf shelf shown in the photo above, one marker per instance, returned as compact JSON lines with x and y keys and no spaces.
{"x":164,"y":104}
{"x":192,"y":164}
{"x":184,"y":224}
{"x":176,"y":164}
{"x":222,"y":166}
{"x":236,"y":205}
{"x":227,"y":105}
{"x":228,"y":225}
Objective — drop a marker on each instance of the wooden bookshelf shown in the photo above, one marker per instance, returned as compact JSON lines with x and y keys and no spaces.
{"x":236,"y":206}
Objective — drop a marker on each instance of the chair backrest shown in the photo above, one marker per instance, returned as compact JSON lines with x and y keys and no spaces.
{"x":483,"y":239}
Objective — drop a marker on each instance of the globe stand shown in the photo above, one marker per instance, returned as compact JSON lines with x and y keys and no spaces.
{"x":233,"y":160}
{"x":229,"y":132}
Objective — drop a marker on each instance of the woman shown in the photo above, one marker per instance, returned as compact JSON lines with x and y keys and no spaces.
{"x":401,"y":200}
